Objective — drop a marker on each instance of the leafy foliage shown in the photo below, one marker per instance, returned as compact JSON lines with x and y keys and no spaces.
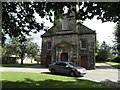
{"x":18,"y":17}
{"x":97,"y":47}
{"x":114,"y":64}
{"x":6,"y":50}
{"x":20,"y":49}
{"x":117,"y":59}
{"x":117,"y":37}
{"x":104,"y":52}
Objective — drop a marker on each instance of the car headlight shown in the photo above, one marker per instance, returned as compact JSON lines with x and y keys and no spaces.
{"x":81,"y":70}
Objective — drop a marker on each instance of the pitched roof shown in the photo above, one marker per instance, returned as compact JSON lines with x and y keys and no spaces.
{"x":83,"y":30}
{"x":47,"y":34}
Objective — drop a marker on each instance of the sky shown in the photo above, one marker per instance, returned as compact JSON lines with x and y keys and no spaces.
{"x":37,"y":37}
{"x":104,"y":30}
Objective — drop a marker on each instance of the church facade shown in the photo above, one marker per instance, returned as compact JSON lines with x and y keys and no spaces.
{"x":69,"y":41}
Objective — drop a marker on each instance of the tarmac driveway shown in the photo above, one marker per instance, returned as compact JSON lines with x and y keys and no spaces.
{"x":103,"y":73}
{"x":35,"y":69}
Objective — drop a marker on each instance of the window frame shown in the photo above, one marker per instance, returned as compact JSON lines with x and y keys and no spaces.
{"x":82,"y":46}
{"x":61,"y":64}
{"x":49,"y":46}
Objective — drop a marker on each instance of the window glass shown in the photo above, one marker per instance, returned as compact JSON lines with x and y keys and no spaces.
{"x":83,"y":44}
{"x":48,"y":45}
{"x":61,"y":64}
{"x":65,"y":23}
{"x":57,"y":63}
{"x":72,"y":64}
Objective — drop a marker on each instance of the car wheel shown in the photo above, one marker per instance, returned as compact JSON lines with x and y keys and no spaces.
{"x":72,"y":74}
{"x":52,"y":71}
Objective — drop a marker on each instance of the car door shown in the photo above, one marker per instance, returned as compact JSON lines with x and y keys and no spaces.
{"x":57,"y":67}
{"x":63,"y":69}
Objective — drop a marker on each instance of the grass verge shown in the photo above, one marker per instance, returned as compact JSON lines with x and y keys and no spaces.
{"x":114,"y":64}
{"x":35,"y":80}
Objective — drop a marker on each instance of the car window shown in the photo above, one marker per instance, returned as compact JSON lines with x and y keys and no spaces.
{"x":72,"y":64}
{"x":61,"y":64}
{"x":57,"y":63}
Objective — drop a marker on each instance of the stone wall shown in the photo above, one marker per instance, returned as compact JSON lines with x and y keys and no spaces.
{"x":90,"y":51}
{"x":74,"y":53}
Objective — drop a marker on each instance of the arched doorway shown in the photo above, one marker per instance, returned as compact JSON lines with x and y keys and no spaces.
{"x":63,"y":50}
{"x":64,"y":57}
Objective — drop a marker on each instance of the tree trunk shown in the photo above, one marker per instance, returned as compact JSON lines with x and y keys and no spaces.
{"x":21,"y":61}
{"x":31,"y":61}
{"x":22,"y":58}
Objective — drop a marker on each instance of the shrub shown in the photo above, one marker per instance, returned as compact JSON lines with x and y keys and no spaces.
{"x":117,"y":59}
{"x":9,"y":60}
{"x":100,"y":59}
{"x":109,"y":60}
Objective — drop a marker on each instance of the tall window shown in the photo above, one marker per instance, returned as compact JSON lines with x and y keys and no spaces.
{"x":65,"y":23}
{"x":83,"y":44}
{"x":48,"y":45}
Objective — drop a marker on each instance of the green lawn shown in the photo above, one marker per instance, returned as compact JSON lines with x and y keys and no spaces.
{"x":114,"y":64}
{"x":36,"y":80}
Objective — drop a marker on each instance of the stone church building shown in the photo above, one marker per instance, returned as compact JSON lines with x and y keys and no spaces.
{"x":69,"y":41}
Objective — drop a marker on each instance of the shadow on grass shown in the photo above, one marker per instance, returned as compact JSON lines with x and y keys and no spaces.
{"x":106,"y":82}
{"x":105,"y":67}
{"x":59,"y":74}
{"x":111,"y":83}
{"x":50,"y":83}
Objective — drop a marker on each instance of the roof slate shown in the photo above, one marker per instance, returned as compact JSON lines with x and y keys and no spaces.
{"x":83,"y":30}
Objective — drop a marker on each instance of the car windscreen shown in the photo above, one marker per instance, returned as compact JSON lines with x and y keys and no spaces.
{"x":72,"y":65}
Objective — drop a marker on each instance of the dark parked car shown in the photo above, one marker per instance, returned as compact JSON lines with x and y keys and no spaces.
{"x":68,"y":68}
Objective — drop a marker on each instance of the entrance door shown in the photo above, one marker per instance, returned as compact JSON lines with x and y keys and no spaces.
{"x":64,"y":57}
{"x":84,"y":62}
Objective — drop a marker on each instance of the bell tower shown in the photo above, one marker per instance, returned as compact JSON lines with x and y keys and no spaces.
{"x":65,"y":22}
{"x":69,"y":20}
{"x":72,"y":20}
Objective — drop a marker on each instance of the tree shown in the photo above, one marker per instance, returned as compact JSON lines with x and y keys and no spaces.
{"x":97,"y":47}
{"x":21,"y":49}
{"x":18,"y":17}
{"x":6,"y":51}
{"x":104,"y":52}
{"x":117,"y":38}
{"x":33,"y":50}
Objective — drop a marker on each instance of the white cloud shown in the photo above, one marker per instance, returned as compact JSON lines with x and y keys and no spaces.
{"x":104,"y":30}
{"x":37,"y":38}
